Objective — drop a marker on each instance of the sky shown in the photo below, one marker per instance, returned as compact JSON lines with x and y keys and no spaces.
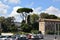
{"x":8,"y":8}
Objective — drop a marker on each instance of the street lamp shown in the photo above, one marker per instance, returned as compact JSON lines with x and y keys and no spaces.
{"x":55,"y":30}
{"x":58,"y":29}
{"x":57,"y":25}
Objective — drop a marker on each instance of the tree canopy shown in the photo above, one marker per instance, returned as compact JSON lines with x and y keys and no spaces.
{"x":7,"y":24}
{"x":26,"y":10}
{"x":24,"y":13}
{"x":53,"y":17}
{"x":44,"y":15}
{"x":34,"y":18}
{"x":26,"y":27}
{"x":48,"y":16}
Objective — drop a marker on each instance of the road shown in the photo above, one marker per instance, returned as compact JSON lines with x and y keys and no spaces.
{"x":49,"y":37}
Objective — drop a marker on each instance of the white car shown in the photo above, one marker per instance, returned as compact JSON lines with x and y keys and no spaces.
{"x":11,"y":38}
{"x":40,"y":36}
{"x":7,"y":37}
{"x":22,"y":35}
{"x":3,"y":38}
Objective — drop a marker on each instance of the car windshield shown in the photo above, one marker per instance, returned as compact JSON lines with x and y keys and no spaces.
{"x":3,"y":37}
{"x":11,"y":37}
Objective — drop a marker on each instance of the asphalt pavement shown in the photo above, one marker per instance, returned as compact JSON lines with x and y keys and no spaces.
{"x":49,"y":37}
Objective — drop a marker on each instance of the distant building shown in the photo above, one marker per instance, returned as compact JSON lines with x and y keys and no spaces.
{"x":49,"y":25}
{"x":18,"y":24}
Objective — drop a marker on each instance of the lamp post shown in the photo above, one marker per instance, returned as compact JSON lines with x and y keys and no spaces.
{"x":58,"y":29}
{"x":56,"y":25}
{"x":55,"y":31}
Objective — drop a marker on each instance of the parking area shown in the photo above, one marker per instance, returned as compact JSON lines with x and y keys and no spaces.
{"x":49,"y":37}
{"x":45,"y":37}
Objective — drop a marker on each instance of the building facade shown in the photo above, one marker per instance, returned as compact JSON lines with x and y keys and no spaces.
{"x":49,"y":25}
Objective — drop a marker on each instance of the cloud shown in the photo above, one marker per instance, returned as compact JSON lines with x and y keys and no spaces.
{"x":3,"y":8}
{"x":12,"y":1}
{"x":37,"y":10}
{"x":15,"y":14}
{"x":53,"y":10}
{"x":50,"y":10}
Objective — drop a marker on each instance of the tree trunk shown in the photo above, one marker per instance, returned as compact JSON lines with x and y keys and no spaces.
{"x":26,"y":19}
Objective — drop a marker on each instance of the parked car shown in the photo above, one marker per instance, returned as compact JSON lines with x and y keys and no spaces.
{"x":3,"y":37}
{"x":35,"y":36}
{"x":7,"y":37}
{"x":23,"y":37}
{"x":40,"y":36}
{"x":11,"y":37}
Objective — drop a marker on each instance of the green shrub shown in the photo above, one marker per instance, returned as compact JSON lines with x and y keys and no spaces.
{"x":50,"y":32}
{"x":34,"y":31}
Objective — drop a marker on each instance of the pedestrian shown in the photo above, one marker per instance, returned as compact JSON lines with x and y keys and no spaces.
{"x":55,"y":38}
